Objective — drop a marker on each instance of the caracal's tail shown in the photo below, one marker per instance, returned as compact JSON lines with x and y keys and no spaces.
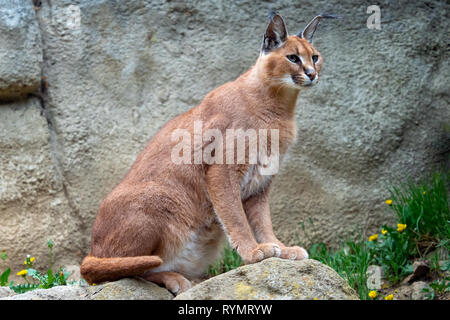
{"x":96,"y":270}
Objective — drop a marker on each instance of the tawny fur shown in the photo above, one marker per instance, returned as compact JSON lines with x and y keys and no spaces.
{"x":171,"y":220}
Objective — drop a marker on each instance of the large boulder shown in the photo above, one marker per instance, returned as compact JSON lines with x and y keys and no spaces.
{"x":20,"y":50}
{"x":274,"y":279}
{"x":117,"y":71}
{"x":33,"y":203}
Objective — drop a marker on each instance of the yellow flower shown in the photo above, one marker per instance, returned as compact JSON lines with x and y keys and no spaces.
{"x":383,"y":231}
{"x":25,"y":262}
{"x":373,"y":294}
{"x":315,"y":298}
{"x":401,"y":227}
{"x":389,"y":202}
{"x":32,"y":259}
{"x":389,"y":297}
{"x":424,"y":193}
{"x":373,"y":237}
{"x":22,"y":273}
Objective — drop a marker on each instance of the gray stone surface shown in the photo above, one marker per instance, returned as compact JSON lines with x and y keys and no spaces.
{"x":417,"y":290}
{"x":124,"y":289}
{"x":380,"y":110}
{"x":6,"y":292}
{"x":55,"y":293}
{"x":375,"y":277}
{"x":274,"y":279}
{"x":20,"y":49}
{"x":33,"y":203}
{"x":129,"y":289}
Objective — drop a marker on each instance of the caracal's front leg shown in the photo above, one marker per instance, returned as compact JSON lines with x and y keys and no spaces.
{"x":224,"y":191}
{"x":258,"y":214}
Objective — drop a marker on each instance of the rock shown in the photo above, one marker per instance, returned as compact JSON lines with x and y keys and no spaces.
{"x":374,"y":277}
{"x":131,"y":66}
{"x":129,"y":289}
{"x":20,"y":50}
{"x":74,"y":272}
{"x":55,"y":293}
{"x":6,"y":292}
{"x":421,"y":269}
{"x":33,"y":203}
{"x":124,"y":289}
{"x":416,"y":290}
{"x":274,"y":279}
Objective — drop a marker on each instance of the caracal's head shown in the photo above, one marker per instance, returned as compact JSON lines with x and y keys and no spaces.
{"x":290,"y":61}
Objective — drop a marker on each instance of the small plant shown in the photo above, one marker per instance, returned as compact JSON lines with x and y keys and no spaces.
{"x":230,"y":260}
{"x":42,"y":281}
{"x":392,"y":251}
{"x":437,"y":288}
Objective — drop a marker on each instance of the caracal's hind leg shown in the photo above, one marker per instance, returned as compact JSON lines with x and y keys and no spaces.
{"x":173,"y":281}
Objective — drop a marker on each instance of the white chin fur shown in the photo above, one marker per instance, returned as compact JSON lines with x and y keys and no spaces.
{"x":307,"y":82}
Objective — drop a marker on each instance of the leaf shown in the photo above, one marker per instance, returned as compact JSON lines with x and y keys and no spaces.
{"x":22,"y":288}
{"x":4,"y":277}
{"x":36,"y":275}
{"x":4,"y":256}
{"x":50,"y":277}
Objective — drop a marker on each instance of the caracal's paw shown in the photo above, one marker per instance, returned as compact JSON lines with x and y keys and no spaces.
{"x":293,"y":253}
{"x":262,"y":251}
{"x":173,"y":281}
{"x":178,"y":285}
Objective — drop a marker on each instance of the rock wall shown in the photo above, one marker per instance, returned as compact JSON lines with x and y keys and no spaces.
{"x":81,"y":98}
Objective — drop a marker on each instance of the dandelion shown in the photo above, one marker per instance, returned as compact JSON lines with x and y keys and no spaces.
{"x":32,"y":259}
{"x":389,"y":297}
{"x":401,"y":227}
{"x":384,"y":231}
{"x":388,"y":202}
{"x":22,"y":273}
{"x":373,"y":237}
{"x":373,"y":294}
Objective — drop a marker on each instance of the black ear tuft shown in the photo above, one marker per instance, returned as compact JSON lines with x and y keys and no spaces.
{"x":276,"y":33}
{"x":309,"y":30}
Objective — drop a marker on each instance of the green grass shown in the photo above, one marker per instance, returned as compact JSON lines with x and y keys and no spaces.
{"x":230,"y":260}
{"x":351,"y":262}
{"x":424,"y":209}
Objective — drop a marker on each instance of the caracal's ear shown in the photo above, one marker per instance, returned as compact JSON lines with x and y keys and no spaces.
{"x":309,"y":30}
{"x":276,"y":33}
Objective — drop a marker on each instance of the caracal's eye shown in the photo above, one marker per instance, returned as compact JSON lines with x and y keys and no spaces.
{"x":315,"y":58}
{"x":293,"y":58}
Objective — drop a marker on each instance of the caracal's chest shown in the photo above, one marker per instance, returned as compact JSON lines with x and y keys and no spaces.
{"x":254,"y":181}
{"x":258,"y":176}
